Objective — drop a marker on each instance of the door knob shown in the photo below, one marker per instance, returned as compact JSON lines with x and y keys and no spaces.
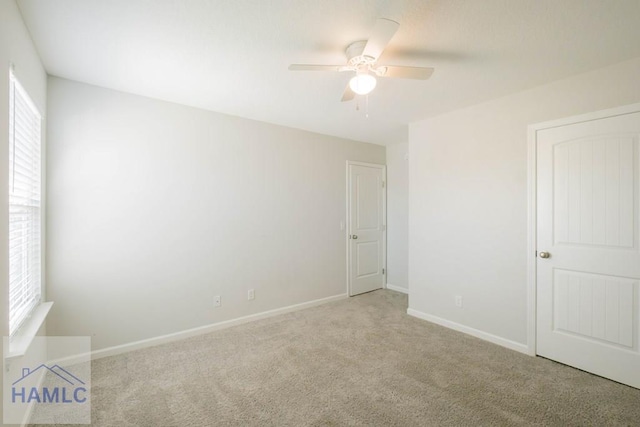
{"x":545,"y":255}
{"x":355,"y":236}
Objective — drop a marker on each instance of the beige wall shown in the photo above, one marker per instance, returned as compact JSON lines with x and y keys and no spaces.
{"x":398,"y":216}
{"x":468,"y":198}
{"x":155,"y":208}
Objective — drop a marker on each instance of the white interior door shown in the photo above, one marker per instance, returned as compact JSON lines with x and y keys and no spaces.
{"x":588,"y":259}
{"x":366,"y":212}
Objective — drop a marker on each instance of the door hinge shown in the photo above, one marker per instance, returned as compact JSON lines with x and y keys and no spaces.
{"x":383,"y":271}
{"x":382,"y":184}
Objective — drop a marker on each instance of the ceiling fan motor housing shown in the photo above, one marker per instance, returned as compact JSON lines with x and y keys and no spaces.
{"x":355,"y":56}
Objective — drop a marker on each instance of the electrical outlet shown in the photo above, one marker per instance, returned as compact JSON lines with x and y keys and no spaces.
{"x":216,"y":301}
{"x":458,"y":301}
{"x":251,"y":294}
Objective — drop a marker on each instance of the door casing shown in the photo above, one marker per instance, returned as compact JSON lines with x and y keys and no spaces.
{"x":348,"y":220}
{"x":532,"y":150}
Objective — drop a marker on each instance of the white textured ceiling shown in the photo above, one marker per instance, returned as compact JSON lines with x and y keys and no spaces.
{"x":232,"y":56}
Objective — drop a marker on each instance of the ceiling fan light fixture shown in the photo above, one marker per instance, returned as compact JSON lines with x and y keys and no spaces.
{"x":362,"y":83}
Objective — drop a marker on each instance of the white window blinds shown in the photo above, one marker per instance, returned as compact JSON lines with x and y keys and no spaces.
{"x":24,"y":205}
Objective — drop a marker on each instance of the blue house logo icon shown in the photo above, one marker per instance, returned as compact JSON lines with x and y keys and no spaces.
{"x":71,"y":389}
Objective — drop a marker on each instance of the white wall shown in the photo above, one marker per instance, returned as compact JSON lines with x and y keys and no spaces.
{"x":468,"y":198}
{"x":15,"y":48}
{"x":398,"y":217}
{"x":155,"y":208}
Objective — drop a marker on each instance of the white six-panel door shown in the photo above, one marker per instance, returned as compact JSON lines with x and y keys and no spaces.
{"x":588,"y":248}
{"x":366,"y":227}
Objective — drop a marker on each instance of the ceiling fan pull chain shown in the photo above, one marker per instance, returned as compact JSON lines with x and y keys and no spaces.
{"x":366,"y":108}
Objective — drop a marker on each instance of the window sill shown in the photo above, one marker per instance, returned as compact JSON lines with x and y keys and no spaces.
{"x":21,"y":341}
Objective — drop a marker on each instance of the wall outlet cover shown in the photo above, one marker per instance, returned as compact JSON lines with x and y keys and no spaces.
{"x":458,"y":301}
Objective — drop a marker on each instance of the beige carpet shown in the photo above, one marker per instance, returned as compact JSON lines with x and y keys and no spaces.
{"x":361,"y":361}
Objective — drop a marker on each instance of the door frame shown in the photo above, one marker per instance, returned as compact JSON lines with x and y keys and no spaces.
{"x":348,"y":220}
{"x":532,"y":229}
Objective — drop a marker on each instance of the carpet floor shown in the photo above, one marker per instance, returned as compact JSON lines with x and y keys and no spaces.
{"x":359,"y":361}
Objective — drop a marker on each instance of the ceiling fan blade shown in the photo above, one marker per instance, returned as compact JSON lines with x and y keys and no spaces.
{"x":383,"y":31}
{"x":348,"y":94}
{"x":312,"y":67}
{"x":418,"y":73}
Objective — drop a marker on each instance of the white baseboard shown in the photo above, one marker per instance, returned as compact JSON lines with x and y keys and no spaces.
{"x":397,"y":288}
{"x":512,"y":345}
{"x":176,"y":336}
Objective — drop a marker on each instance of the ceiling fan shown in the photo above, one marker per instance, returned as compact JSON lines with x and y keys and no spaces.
{"x":362,"y":59}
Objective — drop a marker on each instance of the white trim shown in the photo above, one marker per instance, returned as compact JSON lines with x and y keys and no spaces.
{"x":347,"y":227}
{"x":384,"y":219}
{"x":532,"y":166}
{"x":371,"y":165}
{"x":532,"y":200}
{"x":595,"y":115}
{"x":22,"y":339}
{"x":511,"y":345}
{"x":384,"y":226}
{"x":397,"y":288}
{"x":176,"y":336}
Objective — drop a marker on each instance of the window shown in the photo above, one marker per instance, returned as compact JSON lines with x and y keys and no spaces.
{"x":24,"y":205}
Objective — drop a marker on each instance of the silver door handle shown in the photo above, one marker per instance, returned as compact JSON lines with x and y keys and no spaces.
{"x":545,"y":255}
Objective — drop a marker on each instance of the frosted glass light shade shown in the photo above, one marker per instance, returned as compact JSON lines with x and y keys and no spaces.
{"x":362,"y":84}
